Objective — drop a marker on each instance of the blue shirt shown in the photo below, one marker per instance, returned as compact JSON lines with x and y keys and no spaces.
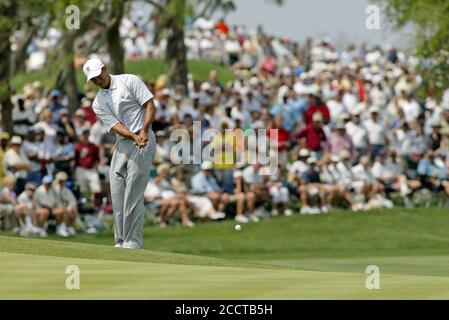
{"x":202,"y":183}
{"x":286,"y":111}
{"x":299,"y":108}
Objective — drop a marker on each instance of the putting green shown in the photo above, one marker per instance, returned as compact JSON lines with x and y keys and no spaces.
{"x":110,"y":273}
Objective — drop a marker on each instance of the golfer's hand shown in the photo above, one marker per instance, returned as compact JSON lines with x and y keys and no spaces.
{"x":140,"y":141}
{"x":144,"y":135}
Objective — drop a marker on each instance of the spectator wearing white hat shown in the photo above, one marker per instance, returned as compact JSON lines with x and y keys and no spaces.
{"x":46,"y":207}
{"x":16,"y":164}
{"x":25,"y":199}
{"x":297,"y":170}
{"x":313,"y":134}
{"x":336,"y":106}
{"x":65,"y":198}
{"x":377,"y":132}
{"x":80,"y":122}
{"x":253,"y":178}
{"x":340,"y":140}
{"x":245,"y":198}
{"x":358,"y":133}
{"x":364,"y":181}
{"x":204,"y":183}
{"x":170,"y":199}
{"x":48,"y":127}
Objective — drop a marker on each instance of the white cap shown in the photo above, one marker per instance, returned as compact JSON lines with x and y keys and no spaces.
{"x":16,"y":140}
{"x":238,"y":174}
{"x":206,"y":165}
{"x":304,"y":153}
{"x":374,"y":109}
{"x":92,"y":68}
{"x":344,"y":154}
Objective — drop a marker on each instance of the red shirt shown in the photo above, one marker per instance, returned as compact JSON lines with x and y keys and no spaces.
{"x":89,"y":114}
{"x":222,"y":27}
{"x":86,"y":155}
{"x":314,"y":109}
{"x":283,"y":136}
{"x":314,"y":137}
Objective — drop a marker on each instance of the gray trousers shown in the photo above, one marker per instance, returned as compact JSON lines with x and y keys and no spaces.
{"x":129,"y":175}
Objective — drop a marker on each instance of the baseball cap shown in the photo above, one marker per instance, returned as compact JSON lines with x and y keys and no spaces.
{"x":374,"y":109}
{"x":237,"y":174}
{"x":160,"y":134}
{"x":30,"y":186}
{"x":317,"y":117}
{"x":344,"y":154}
{"x":92,"y":68}
{"x":206,"y":165}
{"x":61,"y":176}
{"x":304,"y":153}
{"x":16,"y":140}
{"x":47,"y":179}
{"x":55,"y":93}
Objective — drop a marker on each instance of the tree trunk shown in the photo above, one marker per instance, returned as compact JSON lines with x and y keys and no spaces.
{"x":70,"y":85}
{"x":66,"y":78}
{"x":176,"y":55}
{"x":7,"y":9}
{"x":115,"y":48}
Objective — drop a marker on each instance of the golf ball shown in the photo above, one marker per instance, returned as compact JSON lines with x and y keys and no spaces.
{"x":238,"y":227}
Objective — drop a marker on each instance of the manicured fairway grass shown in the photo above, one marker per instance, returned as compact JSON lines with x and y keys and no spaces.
{"x":312,"y":257}
{"x":149,"y":69}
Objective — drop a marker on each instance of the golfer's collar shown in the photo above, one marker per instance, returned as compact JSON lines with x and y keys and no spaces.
{"x":113,"y":84}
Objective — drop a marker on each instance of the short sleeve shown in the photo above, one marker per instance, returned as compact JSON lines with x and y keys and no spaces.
{"x":106,"y":116}
{"x":139,"y":90}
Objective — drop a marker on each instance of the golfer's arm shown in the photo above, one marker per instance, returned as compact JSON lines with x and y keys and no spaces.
{"x":150,"y":114}
{"x":123,"y":131}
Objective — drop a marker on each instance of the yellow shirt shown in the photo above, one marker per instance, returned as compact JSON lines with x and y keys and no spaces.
{"x":224,"y":152}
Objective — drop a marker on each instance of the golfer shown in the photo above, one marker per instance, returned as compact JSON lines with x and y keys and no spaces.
{"x":125,"y":106}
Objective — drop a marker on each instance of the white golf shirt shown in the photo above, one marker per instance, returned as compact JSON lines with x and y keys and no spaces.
{"x":122,"y":102}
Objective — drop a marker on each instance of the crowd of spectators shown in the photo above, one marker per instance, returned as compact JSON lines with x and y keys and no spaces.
{"x":351,"y":132}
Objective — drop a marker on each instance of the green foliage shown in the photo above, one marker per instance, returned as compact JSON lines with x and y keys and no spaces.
{"x":430,"y":18}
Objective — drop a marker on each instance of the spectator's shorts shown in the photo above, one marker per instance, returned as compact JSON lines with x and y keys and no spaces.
{"x":357,"y":186}
{"x":388,"y":187}
{"x":167,"y":194}
{"x":203,"y":206}
{"x":88,"y":180}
